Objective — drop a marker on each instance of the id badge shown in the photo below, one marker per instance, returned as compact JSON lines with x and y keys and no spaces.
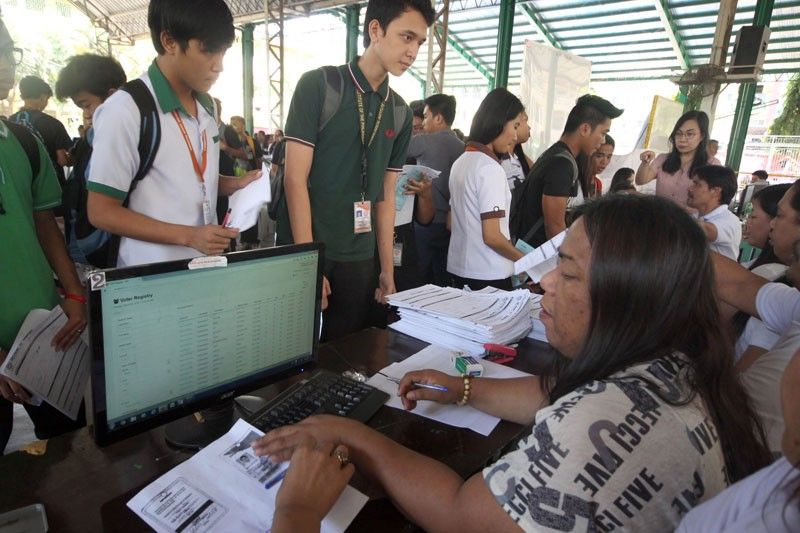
{"x":362,"y":218}
{"x":397,"y":254}
{"x":208,"y":216}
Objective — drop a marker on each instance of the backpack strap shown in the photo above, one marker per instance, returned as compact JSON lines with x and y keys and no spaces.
{"x":28,"y":142}
{"x":149,"y":130}
{"x":571,"y":159}
{"x":333,"y":89}
{"x":149,"y":142}
{"x":400,"y":112}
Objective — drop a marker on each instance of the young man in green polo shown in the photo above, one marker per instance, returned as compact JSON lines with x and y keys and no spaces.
{"x":341,"y":170}
{"x":32,"y":250}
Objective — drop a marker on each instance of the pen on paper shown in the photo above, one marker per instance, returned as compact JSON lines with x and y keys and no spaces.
{"x":417,"y":384}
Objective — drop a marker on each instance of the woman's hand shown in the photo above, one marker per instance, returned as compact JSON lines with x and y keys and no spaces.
{"x":315,"y":480}
{"x":410,"y":394}
{"x":647,"y":156}
{"x":279,"y":444}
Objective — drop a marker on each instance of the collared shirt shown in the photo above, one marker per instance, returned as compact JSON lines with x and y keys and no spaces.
{"x":26,"y":282}
{"x":479,"y":191}
{"x":171,"y":191}
{"x":729,"y":231}
{"x":438,"y":151}
{"x":674,"y":186}
{"x":334,"y":181}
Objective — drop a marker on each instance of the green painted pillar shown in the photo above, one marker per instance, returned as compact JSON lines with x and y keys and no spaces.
{"x":747,"y":93}
{"x":247,"y":74}
{"x":504,"y":34}
{"x":352,"y":16}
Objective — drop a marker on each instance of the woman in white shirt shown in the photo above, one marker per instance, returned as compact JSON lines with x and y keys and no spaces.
{"x":768,"y":500}
{"x":640,"y":420}
{"x":480,"y":252}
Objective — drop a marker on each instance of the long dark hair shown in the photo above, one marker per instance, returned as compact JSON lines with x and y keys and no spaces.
{"x":673,"y":161}
{"x":768,"y":199}
{"x":651,"y":289}
{"x":622,"y":180}
{"x":495,"y":111}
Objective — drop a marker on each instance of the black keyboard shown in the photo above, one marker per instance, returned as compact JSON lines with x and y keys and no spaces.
{"x":322,"y":393}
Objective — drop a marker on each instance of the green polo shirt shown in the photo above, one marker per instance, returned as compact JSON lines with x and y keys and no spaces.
{"x":334,"y":182}
{"x":26,"y":281}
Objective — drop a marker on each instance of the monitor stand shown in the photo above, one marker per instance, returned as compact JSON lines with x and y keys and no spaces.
{"x":198,"y":430}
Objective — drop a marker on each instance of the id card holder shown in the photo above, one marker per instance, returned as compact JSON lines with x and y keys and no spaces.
{"x":362,"y":217}
{"x":208,"y":216}
{"x":397,"y":254}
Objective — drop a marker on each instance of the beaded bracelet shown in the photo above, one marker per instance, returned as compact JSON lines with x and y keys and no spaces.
{"x":465,"y":398}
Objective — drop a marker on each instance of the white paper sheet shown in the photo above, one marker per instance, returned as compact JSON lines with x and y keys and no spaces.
{"x":59,"y":378}
{"x":541,"y":260}
{"x":246,"y":203}
{"x":438,"y":358}
{"x":463,"y":320}
{"x":225,"y":487}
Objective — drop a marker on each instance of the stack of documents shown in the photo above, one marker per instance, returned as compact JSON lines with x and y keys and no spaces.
{"x":463,"y":320}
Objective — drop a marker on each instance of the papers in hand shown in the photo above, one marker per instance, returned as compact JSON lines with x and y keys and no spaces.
{"x":404,"y":203}
{"x":437,"y":358}
{"x":59,"y":378}
{"x":541,"y":260}
{"x":246,"y":203}
{"x":463,"y":320}
{"x":226,"y":487}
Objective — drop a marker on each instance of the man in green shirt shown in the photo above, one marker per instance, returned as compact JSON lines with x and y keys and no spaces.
{"x":341,"y":170}
{"x":32,"y":249}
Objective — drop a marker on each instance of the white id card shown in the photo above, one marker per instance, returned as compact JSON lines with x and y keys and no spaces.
{"x":362,"y":217}
{"x":209,"y":217}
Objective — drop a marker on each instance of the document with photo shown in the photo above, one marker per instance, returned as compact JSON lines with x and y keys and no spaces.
{"x":226,"y":487}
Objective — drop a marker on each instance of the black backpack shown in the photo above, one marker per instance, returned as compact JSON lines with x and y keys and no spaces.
{"x":333,"y":90}
{"x":98,"y":246}
{"x":28,"y":141}
{"x":522,"y":197}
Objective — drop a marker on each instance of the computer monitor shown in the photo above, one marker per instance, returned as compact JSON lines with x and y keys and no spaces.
{"x":170,"y":339}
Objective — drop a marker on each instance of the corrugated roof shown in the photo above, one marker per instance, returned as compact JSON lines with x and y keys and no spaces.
{"x":624,"y":39}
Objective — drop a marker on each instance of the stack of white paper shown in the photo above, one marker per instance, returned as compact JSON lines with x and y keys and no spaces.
{"x":463,"y":320}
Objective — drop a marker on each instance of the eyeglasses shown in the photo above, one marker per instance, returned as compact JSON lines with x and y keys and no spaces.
{"x":688,"y":135}
{"x":13,"y":54}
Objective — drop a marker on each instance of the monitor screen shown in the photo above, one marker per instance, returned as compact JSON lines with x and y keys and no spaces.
{"x":169,"y":339}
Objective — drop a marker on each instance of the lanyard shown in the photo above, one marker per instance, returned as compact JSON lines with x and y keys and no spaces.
{"x":199,"y":168}
{"x":362,"y":129}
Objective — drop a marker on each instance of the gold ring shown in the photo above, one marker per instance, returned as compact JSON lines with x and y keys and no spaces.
{"x":343,"y":458}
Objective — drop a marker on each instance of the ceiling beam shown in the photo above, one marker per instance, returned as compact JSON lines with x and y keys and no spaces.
{"x":537,"y":21}
{"x":668,"y":22}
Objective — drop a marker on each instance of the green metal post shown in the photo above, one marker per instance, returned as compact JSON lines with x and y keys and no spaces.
{"x":247,"y":74}
{"x":504,"y":34}
{"x":352,"y":16}
{"x":747,"y":93}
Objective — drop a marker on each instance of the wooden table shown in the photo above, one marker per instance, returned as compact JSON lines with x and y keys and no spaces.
{"x":84,"y":488}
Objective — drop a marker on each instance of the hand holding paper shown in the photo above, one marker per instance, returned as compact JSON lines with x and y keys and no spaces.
{"x":246,"y":203}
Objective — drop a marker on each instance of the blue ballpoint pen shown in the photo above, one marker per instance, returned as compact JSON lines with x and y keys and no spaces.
{"x":439,"y":388}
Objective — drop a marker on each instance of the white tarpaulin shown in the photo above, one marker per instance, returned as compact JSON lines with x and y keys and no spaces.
{"x":551,"y":82}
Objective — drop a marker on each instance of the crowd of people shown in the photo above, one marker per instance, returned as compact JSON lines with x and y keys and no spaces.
{"x":674,"y":400}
